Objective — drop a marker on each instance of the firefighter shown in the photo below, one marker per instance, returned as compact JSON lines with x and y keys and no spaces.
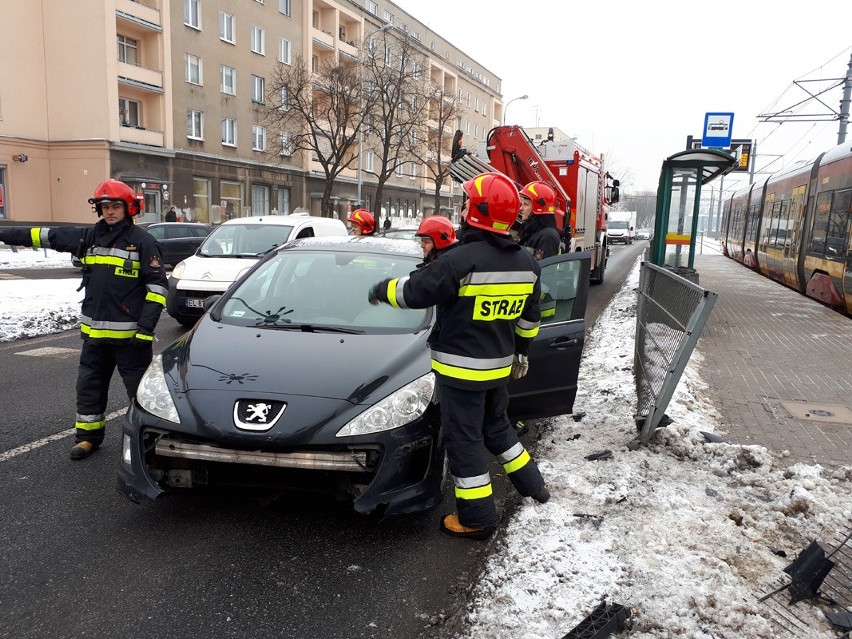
{"x":486,"y":291}
{"x":125,"y":293}
{"x":363,"y":222}
{"x":538,"y":210}
{"x":437,"y":236}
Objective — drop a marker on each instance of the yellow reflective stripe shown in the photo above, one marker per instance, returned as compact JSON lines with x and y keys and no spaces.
{"x":471,"y":290}
{"x":526,"y":332}
{"x":474,"y":493}
{"x":90,"y":425}
{"x":110,"y":261}
{"x":392,"y":292}
{"x":35,"y":236}
{"x":471,"y":375}
{"x":103,"y":333}
{"x":155,"y":297}
{"x":147,"y":338}
{"x":517,"y":463}
{"x":548,"y":312}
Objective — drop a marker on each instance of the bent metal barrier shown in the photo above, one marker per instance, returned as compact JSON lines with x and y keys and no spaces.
{"x":671,"y":313}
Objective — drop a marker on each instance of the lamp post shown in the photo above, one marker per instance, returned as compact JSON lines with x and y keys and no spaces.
{"x":384,"y":27}
{"x":506,"y":108}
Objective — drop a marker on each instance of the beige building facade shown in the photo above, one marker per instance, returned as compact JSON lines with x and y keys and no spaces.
{"x":170,"y":96}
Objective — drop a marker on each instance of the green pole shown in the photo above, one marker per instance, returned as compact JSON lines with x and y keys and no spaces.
{"x":695,"y":210}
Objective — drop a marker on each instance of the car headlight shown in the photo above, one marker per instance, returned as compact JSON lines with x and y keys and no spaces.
{"x":177,"y":271}
{"x":153,"y":393}
{"x":395,"y":410}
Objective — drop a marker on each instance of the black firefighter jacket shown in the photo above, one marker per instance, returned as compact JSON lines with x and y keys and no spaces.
{"x":487,"y":293}
{"x":123,"y":275}
{"x":540,"y":237}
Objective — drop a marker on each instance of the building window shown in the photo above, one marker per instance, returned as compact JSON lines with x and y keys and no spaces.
{"x":413,"y":174}
{"x":192,"y":13}
{"x":231,"y":195}
{"x":226,"y":27}
{"x":315,"y":63}
{"x":258,"y":89}
{"x":128,"y":49}
{"x":259,"y":199}
{"x":284,"y":100}
{"x":258,"y":40}
{"x":229,"y":132}
{"x":476,"y":104}
{"x":372,"y":7}
{"x":201,"y":200}
{"x":398,"y":170}
{"x":388,"y":16}
{"x":485,"y":106}
{"x":388,"y":55}
{"x":370,"y":161}
{"x":284,"y":54}
{"x":129,"y":112}
{"x":468,"y":99}
{"x":286,"y":144}
{"x":283,"y":200}
{"x":229,"y":80}
{"x":194,"y":69}
{"x":258,"y":138}
{"x":284,"y":7}
{"x":195,"y":125}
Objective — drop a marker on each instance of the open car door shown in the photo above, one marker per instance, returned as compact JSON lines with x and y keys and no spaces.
{"x":550,"y":386}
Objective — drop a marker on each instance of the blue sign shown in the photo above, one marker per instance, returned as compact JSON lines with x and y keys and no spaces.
{"x":718,"y":130}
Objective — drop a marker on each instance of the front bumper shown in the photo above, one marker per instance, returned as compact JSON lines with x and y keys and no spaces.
{"x":394,"y":472}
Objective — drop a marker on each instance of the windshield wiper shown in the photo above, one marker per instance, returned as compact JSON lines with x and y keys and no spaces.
{"x":312,"y":328}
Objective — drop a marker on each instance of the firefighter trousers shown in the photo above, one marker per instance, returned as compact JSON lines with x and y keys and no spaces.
{"x":473,"y":421}
{"x":97,"y":363}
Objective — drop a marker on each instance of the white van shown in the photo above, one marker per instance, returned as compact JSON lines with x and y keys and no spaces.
{"x":229,"y":250}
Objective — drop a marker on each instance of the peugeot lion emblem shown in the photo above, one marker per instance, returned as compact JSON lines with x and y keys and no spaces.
{"x":257,"y":415}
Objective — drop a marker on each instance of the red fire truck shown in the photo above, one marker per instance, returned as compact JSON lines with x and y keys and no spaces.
{"x":584,"y":189}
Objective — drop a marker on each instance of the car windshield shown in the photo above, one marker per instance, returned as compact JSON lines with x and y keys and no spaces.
{"x":316,"y":289}
{"x":618,"y":224}
{"x":244,"y":240}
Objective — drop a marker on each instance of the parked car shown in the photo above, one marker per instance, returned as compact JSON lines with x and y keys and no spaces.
{"x":178,"y":240}
{"x":293,"y":380}
{"x":400,"y":234}
{"x":229,"y":250}
{"x":644,"y":234}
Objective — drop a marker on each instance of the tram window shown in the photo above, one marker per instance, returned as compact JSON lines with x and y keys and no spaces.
{"x":820,"y":224}
{"x":838,"y":226}
{"x":772,"y":225}
{"x":753,"y":218}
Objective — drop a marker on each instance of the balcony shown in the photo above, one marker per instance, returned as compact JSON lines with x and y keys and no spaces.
{"x":140,"y":77}
{"x":139,"y":135}
{"x":139,"y":12}
{"x":323,"y":38}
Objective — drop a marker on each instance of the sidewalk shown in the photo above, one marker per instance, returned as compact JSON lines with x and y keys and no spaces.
{"x":778,"y":364}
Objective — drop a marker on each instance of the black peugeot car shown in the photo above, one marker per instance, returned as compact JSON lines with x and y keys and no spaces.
{"x":292,"y":380}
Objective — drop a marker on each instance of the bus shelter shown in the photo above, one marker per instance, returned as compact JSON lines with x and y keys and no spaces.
{"x":678,"y":203}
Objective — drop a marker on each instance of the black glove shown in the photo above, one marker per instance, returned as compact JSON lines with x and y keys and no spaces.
{"x":373,"y":295}
{"x":142,"y":339}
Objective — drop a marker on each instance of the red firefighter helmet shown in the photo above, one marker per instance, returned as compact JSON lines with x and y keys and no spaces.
{"x":494,"y":202}
{"x":116,"y":191}
{"x":439,"y":229}
{"x":543,"y":197}
{"x":364,"y":219}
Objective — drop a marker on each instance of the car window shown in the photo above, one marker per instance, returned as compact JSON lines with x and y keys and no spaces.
{"x":175,"y":232}
{"x":559,"y":284}
{"x":244,"y":240}
{"x":157,"y":232}
{"x":200,"y":231}
{"x":321,"y":288}
{"x":308,"y":231}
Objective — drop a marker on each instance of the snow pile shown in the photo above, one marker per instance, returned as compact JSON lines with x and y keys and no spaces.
{"x":29,"y":308}
{"x":684,"y":532}
{"x":26,"y":257}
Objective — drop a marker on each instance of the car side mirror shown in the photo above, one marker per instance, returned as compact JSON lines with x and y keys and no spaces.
{"x":210,"y":301}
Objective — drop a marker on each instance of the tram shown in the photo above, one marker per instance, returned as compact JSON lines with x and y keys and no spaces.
{"x":794,"y":227}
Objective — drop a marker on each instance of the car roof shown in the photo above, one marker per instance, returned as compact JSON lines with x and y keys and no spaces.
{"x":288,"y":220}
{"x":356,"y":244}
{"x":147,"y":225}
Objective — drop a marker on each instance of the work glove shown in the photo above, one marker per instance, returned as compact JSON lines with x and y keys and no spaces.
{"x":520,"y":366}
{"x":142,"y":339}
{"x":373,"y":295}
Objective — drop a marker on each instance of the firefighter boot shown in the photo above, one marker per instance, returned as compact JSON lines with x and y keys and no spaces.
{"x":452,"y":526}
{"x":541,"y":495}
{"x":81,"y":450}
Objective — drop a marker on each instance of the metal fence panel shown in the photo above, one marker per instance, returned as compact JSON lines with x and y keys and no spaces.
{"x":670,"y":315}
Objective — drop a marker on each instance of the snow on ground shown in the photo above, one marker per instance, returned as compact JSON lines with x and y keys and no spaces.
{"x":684,"y":531}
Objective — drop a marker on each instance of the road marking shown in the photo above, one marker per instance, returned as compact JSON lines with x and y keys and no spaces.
{"x":49,"y":351}
{"x":20,"y":450}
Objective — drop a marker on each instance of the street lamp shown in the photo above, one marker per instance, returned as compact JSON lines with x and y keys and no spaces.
{"x":384,"y":27}
{"x":506,"y":108}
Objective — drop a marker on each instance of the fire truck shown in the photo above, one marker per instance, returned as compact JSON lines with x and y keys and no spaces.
{"x":584,"y":189}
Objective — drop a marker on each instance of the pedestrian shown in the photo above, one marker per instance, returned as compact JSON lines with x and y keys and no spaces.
{"x":171,"y":215}
{"x":539,"y":234}
{"x":125,"y":293}
{"x":387,"y":223}
{"x":487,"y":296}
{"x":457,"y":151}
{"x":363,"y":222}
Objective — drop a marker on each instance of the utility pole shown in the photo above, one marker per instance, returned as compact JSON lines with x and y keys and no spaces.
{"x":844,"y":104}
{"x":719,"y":206}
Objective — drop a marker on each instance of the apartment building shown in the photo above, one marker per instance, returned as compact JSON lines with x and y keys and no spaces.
{"x":170,"y":96}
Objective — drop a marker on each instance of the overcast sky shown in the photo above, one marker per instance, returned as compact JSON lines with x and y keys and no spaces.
{"x":634,"y":79}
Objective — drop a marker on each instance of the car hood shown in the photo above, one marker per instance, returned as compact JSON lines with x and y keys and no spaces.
{"x":224,"y":358}
{"x":214,"y":269}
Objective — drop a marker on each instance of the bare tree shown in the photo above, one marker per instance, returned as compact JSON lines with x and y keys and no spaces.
{"x":393,"y":88}
{"x":319,"y":113}
{"x":434,"y":155}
